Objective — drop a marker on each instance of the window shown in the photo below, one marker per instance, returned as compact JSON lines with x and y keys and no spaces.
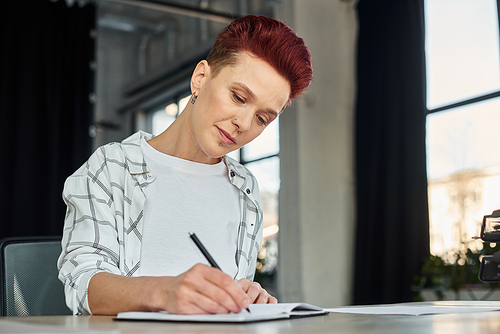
{"x":463,"y":101}
{"x":164,"y":117}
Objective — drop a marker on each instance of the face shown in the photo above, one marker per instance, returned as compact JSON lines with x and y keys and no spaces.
{"x":235,"y":107}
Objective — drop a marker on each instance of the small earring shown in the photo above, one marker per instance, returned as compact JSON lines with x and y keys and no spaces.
{"x":220,"y":144}
{"x":193,"y":98}
{"x":235,"y":119}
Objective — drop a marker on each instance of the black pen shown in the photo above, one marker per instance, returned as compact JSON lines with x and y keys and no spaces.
{"x":207,"y":255}
{"x":204,"y":251}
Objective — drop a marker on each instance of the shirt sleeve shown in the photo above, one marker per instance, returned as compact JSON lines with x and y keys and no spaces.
{"x":90,"y":236}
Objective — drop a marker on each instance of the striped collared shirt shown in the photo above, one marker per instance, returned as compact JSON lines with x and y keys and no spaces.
{"x":104,"y":218}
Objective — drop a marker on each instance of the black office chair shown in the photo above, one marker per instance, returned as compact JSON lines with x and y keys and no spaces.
{"x":28,"y":277}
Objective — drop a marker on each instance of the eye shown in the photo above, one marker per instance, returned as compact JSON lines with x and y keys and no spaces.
{"x":238,"y":98}
{"x":261,"y":120}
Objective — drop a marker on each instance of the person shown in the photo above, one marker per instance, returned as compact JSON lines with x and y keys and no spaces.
{"x":125,"y":244}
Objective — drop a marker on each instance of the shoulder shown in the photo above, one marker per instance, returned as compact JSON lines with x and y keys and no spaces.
{"x":129,"y":149}
{"x":118,"y":157}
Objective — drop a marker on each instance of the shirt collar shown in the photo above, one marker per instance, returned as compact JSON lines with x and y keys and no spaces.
{"x":241,"y":177}
{"x":133,"y":153}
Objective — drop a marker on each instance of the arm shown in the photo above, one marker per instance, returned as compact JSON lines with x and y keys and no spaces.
{"x":90,"y":236}
{"x":200,"y":290}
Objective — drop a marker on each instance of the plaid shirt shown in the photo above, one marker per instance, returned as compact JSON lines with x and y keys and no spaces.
{"x":104,"y":218}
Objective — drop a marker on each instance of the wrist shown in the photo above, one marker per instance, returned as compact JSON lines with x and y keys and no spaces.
{"x":154,"y":294}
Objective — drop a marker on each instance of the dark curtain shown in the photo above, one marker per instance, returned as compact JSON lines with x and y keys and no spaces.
{"x":392,"y":235}
{"x":45,"y":110}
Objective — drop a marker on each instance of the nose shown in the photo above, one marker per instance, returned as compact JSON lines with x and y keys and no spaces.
{"x":237,"y":127}
{"x":242,"y":123}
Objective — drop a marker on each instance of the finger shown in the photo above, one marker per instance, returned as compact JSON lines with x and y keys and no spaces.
{"x":230,"y":287}
{"x":220,"y":300}
{"x":190,"y":308}
{"x":206,"y":305}
{"x":266,"y":298}
{"x":221,"y":288}
{"x":244,"y":284}
{"x":272,"y":300}
{"x":254,"y":291}
{"x":185,"y":297}
{"x":262,"y":298}
{"x":199,"y":281}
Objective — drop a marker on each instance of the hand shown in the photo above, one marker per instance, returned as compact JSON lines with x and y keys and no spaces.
{"x":256,"y":293}
{"x":203,"y":289}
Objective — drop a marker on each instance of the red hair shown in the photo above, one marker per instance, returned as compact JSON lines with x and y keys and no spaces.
{"x":270,"y":40}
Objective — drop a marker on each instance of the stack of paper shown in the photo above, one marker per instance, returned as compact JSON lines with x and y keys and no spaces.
{"x":445,"y":307}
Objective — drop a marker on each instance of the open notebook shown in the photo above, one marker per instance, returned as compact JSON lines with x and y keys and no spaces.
{"x":258,"y":312}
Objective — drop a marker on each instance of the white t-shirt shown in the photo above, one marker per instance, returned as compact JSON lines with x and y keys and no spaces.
{"x":177,"y":203}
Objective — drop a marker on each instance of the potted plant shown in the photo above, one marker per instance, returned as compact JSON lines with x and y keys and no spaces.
{"x":460,"y":275}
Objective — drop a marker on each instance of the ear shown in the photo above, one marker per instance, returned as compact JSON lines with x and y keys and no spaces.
{"x":200,"y":74}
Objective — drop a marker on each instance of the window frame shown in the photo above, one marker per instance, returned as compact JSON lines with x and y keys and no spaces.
{"x":476,"y":99}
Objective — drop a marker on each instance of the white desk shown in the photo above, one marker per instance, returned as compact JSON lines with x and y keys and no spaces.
{"x":481,"y":323}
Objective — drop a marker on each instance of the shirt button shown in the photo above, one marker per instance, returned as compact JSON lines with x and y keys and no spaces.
{"x":248,"y":191}
{"x":232,"y":174}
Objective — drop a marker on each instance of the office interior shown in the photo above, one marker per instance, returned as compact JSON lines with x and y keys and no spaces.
{"x":352,"y":201}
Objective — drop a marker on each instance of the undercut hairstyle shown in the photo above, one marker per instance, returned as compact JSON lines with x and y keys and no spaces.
{"x":270,"y":40}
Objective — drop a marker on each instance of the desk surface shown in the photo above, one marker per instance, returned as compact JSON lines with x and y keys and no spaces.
{"x":483,"y":323}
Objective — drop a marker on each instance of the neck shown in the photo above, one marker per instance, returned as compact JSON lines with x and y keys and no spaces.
{"x":179,"y":141}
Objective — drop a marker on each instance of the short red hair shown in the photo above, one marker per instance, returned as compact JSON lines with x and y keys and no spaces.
{"x":270,"y":40}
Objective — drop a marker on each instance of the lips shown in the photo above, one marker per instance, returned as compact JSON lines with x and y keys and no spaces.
{"x":226,"y":137}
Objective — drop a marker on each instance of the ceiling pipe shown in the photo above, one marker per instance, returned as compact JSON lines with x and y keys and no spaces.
{"x":172,"y":8}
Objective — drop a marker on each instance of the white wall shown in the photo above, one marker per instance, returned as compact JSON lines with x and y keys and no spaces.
{"x":317,"y":154}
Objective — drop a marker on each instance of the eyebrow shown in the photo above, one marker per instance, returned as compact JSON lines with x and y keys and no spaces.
{"x":252,"y":95}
